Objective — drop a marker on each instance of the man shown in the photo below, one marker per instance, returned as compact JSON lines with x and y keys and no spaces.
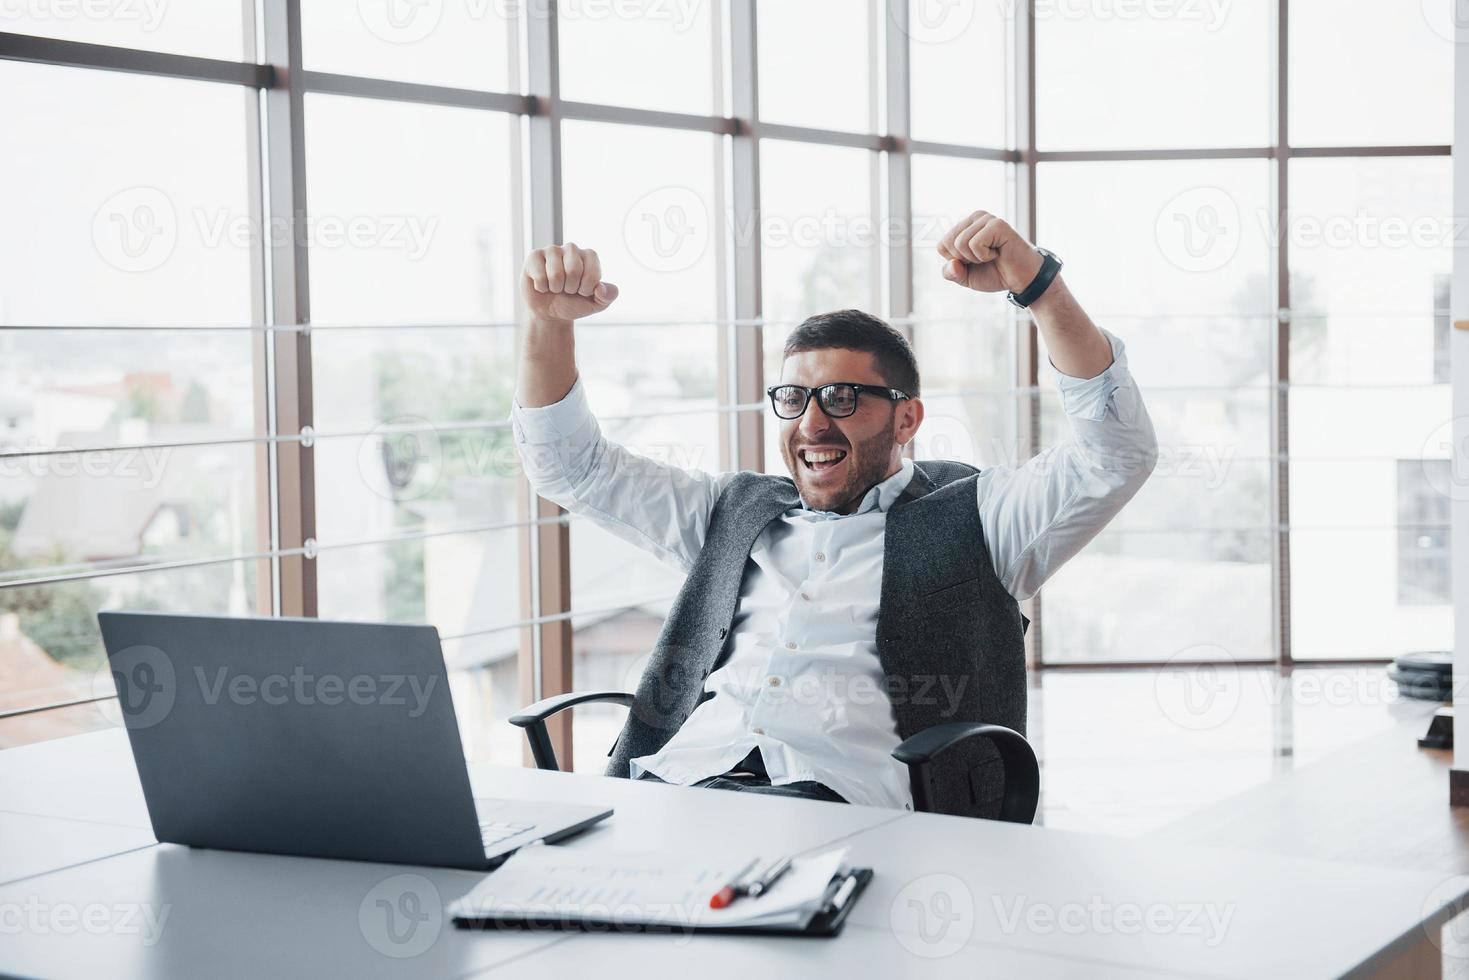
{"x":830,"y":615}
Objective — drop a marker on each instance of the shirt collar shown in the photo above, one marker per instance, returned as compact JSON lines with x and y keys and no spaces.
{"x":880,"y":497}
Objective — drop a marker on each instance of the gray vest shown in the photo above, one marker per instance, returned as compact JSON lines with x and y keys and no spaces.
{"x":950,"y":638}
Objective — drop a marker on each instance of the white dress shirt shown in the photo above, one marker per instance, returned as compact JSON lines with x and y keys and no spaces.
{"x":803,"y":683}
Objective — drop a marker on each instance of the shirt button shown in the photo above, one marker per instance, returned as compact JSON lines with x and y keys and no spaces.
{"x":806,"y":596}
{"x":774,"y":682}
{"x":759,"y":731}
{"x":790,"y":645}
{"x":821,"y":556}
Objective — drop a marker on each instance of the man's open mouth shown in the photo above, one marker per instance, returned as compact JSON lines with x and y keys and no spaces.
{"x":822,"y":460}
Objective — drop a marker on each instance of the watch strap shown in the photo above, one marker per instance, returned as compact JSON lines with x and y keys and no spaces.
{"x":1050,"y":266}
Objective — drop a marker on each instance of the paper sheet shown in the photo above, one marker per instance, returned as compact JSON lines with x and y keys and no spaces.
{"x":670,"y":891}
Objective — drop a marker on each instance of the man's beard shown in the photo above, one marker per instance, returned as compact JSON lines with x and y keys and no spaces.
{"x":867,"y":465}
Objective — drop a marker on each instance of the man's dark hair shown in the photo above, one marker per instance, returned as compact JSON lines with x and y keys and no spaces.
{"x":855,"y":330}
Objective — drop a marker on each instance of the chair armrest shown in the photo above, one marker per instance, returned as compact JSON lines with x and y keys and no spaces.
{"x":533,"y":720}
{"x":1022,"y":772}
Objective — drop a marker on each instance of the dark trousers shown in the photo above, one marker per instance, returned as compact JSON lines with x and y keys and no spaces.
{"x":749,"y":776}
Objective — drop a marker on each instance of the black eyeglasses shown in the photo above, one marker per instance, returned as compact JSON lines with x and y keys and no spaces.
{"x":837,"y":400}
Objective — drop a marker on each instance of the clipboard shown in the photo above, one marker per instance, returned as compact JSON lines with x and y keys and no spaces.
{"x":827,"y":922}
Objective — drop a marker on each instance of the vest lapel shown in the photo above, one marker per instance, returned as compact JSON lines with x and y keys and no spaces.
{"x":919,"y":486}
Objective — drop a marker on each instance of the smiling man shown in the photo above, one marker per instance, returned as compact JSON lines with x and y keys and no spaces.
{"x":830,"y":615}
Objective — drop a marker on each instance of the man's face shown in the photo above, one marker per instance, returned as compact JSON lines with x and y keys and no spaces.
{"x":867,"y":444}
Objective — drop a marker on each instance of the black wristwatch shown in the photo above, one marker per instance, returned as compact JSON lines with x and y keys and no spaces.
{"x":1040,"y":283}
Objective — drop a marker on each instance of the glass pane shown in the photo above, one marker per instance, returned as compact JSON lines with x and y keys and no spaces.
{"x":1180,"y":596}
{"x":1370,"y":242}
{"x":466,"y":45}
{"x":76,"y":512}
{"x":945,"y":192}
{"x":1405,"y":97}
{"x":816,"y":61}
{"x":959,"y":58}
{"x":204,"y":28}
{"x":820,"y":245}
{"x":1198,"y":529}
{"x":461,"y":583}
{"x":1177,"y":265}
{"x":1144,"y":75}
{"x":964,"y":340}
{"x":647,"y":201}
{"x":1177,"y":237}
{"x":410,"y":214}
{"x":437,"y":454}
{"x":600,"y":41}
{"x":53,"y":651}
{"x":133,"y":194}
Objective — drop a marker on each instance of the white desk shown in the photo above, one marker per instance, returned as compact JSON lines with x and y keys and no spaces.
{"x":83,"y":893}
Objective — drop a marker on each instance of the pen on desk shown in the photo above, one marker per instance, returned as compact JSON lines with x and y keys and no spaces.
{"x":763,"y":883}
{"x":730,"y":891}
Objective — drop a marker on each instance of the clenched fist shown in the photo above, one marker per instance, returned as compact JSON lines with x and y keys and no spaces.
{"x":986,"y":254}
{"x":564,"y":282}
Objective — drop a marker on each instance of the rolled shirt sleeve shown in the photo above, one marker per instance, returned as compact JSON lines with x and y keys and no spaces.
{"x":1040,"y":514}
{"x":656,"y":506}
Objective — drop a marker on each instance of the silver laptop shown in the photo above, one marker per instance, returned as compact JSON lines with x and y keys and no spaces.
{"x":313,"y":738}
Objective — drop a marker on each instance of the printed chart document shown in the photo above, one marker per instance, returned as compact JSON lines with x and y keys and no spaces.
{"x":545,"y":883}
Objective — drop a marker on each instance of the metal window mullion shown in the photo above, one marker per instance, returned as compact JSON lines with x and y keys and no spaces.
{"x":747,"y":343}
{"x":1027,"y":340}
{"x":545,"y":655}
{"x":266,"y":595}
{"x":290,"y":363}
{"x":1279,"y":399}
{"x":106,"y":57}
{"x":896,"y":173}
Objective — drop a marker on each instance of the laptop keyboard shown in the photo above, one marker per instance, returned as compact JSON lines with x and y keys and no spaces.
{"x":494,"y":831}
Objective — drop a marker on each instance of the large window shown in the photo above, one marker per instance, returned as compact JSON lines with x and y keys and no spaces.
{"x":213,"y":401}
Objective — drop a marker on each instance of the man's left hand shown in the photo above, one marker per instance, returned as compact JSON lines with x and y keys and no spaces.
{"x":986,"y":254}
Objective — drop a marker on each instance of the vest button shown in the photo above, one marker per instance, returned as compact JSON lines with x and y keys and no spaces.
{"x":722,"y":632}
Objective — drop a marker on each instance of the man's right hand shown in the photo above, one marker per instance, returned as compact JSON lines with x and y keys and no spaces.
{"x":564,"y":283}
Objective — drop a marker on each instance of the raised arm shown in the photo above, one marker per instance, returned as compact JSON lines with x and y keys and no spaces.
{"x":658,"y":507}
{"x":1038,"y":515}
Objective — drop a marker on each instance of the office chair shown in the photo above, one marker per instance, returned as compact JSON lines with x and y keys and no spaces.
{"x":1022,"y":772}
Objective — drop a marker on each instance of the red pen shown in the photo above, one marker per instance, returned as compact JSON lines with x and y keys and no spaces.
{"x":730,"y":891}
